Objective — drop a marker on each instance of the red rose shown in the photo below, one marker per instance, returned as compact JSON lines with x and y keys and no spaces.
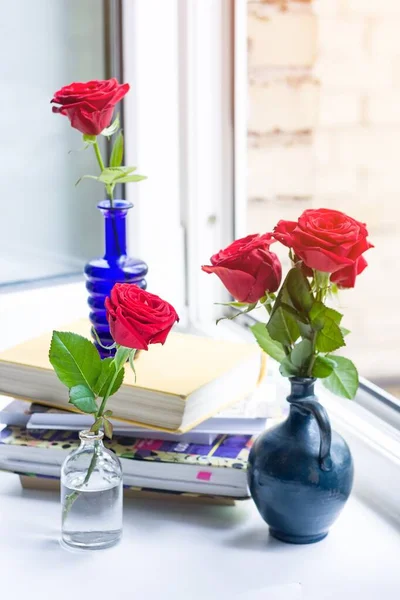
{"x":247,"y":268}
{"x":328,"y":241}
{"x":138,"y":318}
{"x":89,"y":106}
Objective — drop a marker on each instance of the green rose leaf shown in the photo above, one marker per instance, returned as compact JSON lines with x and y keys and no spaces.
{"x":330,"y":337}
{"x":301,"y":354}
{"x":74,"y":359}
{"x":108,"y":428}
{"x":130,"y":178}
{"x":345,"y":331}
{"x":323,"y":367}
{"x":287,"y":369}
{"x":299,"y":290}
{"x":96,"y":425}
{"x":326,"y":322}
{"x":117,"y":151}
{"x":343,"y":381}
{"x":283,"y":327}
{"x":105,"y":377}
{"x":266,"y":343}
{"x":113,"y":128}
{"x":320,"y":311}
{"x":83,"y":398}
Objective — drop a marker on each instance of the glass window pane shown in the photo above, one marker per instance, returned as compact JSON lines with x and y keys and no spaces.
{"x":324,"y":131}
{"x":48,"y":227}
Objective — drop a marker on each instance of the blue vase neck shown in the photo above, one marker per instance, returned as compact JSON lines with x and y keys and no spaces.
{"x":301,"y":388}
{"x":115,"y":228}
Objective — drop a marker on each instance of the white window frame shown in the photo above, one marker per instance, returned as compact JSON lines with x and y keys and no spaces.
{"x":180,"y":133}
{"x":191,"y":181}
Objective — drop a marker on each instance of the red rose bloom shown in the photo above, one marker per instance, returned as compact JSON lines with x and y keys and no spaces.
{"x":329,"y":241}
{"x":247,"y":268}
{"x":138,"y":318}
{"x":89,"y":106}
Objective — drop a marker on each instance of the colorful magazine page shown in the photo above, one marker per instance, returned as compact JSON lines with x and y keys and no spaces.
{"x":230,"y":451}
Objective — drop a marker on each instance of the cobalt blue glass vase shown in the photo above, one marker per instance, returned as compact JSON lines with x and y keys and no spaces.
{"x":115,"y":267}
{"x":300,"y":473}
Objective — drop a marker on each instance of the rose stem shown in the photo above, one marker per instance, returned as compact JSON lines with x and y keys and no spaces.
{"x":109,"y":190}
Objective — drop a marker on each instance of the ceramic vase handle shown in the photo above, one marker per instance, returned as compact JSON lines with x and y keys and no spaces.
{"x":321,"y":416}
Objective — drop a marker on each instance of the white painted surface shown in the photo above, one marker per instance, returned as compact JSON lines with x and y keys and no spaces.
{"x":174,"y":551}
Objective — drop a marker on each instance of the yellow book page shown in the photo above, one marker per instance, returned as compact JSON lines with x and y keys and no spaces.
{"x":184,"y":364}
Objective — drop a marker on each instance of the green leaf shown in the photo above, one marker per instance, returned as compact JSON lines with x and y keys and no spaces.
{"x":320,"y":311}
{"x":283,"y":327}
{"x":130,"y":178}
{"x":345,"y":331}
{"x":109,"y":131}
{"x":299,"y":290}
{"x":109,"y":175}
{"x":301,"y":354}
{"x":89,"y":139}
{"x":266,"y":343}
{"x":83,"y":398}
{"x":96,"y":425}
{"x":323,"y":367}
{"x":306,"y":331}
{"x":293,"y":311}
{"x":117,"y":151}
{"x":108,"y":413}
{"x":326,"y":322}
{"x":106,"y":375}
{"x":74,"y":359}
{"x":108,"y":428}
{"x":343,"y":381}
{"x":287,"y":369}
{"x":121,"y":357}
{"x":330,"y":337}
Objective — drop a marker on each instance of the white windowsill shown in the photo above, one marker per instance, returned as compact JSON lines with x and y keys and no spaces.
{"x":343,"y":564}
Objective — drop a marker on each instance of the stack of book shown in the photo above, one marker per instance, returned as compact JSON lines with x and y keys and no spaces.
{"x":169,"y":431}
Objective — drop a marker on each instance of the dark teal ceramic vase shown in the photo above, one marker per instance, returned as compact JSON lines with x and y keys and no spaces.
{"x":300,"y":473}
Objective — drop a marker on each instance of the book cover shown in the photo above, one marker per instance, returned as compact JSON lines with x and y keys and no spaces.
{"x":179,"y":385}
{"x":156,"y":369}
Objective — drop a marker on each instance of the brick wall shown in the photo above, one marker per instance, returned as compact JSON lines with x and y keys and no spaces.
{"x":324,"y":130}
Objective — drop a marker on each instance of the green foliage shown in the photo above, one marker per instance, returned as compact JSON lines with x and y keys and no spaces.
{"x":83,"y":398}
{"x":300,"y":356}
{"x":266,"y":343}
{"x":117,"y":152}
{"x":113,"y":128}
{"x":287,"y":369}
{"x":108,"y":428}
{"x":323,"y":367}
{"x":343,"y":381}
{"x":75,"y":360}
{"x":326,"y":322}
{"x":299,"y":290}
{"x":345,"y":331}
{"x":106,"y":376}
{"x":112,"y":175}
{"x":283,"y":327}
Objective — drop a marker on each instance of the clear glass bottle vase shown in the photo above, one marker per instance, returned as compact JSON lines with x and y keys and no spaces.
{"x":91,"y":495}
